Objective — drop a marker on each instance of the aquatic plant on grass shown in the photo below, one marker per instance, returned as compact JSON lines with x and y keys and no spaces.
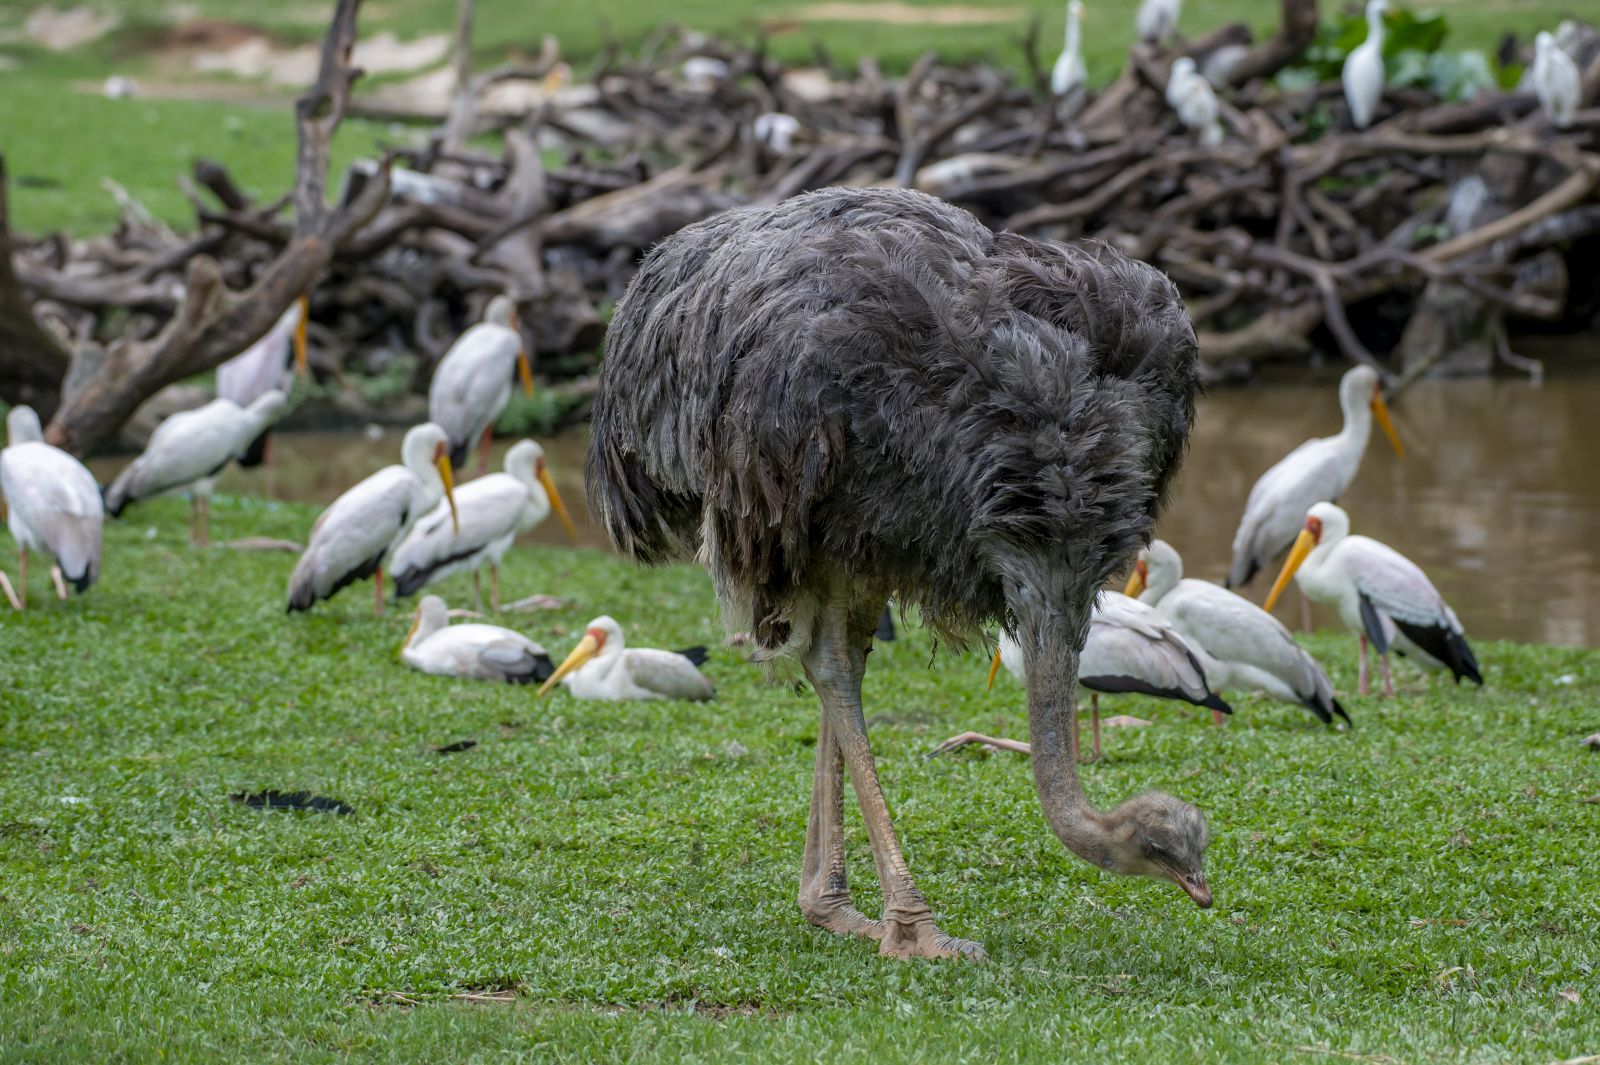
{"x":600,"y":881}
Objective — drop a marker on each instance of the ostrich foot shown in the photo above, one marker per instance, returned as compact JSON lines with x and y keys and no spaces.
{"x":832,"y":909}
{"x":909,"y":937}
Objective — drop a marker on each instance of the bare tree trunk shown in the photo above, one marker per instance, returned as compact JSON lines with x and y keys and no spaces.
{"x":34,"y":364}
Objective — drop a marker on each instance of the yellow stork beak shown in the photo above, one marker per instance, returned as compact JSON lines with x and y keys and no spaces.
{"x":302,"y":364}
{"x":994,"y":667}
{"x":525,"y":371}
{"x":441,"y":461}
{"x":587,"y":648}
{"x":1137,"y":580}
{"x":416,"y":623}
{"x":555,"y":501}
{"x":1380,"y":412}
{"x":1297,"y":554}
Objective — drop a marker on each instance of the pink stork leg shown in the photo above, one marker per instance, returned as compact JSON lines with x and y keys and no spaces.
{"x":60,"y":583}
{"x":11,"y":593}
{"x":377,"y":590}
{"x":22,"y":577}
{"x":1361,"y":683}
{"x":494,"y":586}
{"x":997,"y":742}
{"x":1383,"y":668}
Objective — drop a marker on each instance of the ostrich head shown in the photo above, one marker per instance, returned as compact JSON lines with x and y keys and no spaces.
{"x":1165,"y":838}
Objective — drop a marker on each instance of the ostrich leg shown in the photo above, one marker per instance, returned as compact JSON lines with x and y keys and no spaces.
{"x":824,"y":890}
{"x":834,"y":664}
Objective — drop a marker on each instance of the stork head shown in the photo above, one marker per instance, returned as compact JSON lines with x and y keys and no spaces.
{"x":22,"y":425}
{"x":432,"y":615}
{"x":602,"y":636}
{"x":1182,"y":67}
{"x":428,"y":445}
{"x":1325,"y":523}
{"x":1157,"y":570}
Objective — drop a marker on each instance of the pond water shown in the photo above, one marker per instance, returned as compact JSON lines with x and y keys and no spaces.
{"x":1498,"y":497}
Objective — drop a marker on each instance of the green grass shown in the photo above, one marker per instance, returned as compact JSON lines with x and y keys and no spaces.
{"x":56,"y":133}
{"x":1421,"y":887}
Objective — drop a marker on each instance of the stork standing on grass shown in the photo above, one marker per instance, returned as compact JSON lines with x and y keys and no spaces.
{"x":52,"y":505}
{"x":269,"y":364}
{"x":472,"y":383}
{"x":863,"y":392}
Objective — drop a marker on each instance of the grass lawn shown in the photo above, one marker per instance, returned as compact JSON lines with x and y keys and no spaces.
{"x":1422,"y":887}
{"x":61,"y":137}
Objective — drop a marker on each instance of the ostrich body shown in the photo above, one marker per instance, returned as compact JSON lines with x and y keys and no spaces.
{"x":864,"y":392}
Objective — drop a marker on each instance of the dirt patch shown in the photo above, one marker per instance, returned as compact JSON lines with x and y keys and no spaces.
{"x":895,"y":13}
{"x":257,"y":57}
{"x":60,"y":30}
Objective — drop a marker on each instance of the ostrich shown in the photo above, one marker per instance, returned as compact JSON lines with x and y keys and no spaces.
{"x":859,"y":393}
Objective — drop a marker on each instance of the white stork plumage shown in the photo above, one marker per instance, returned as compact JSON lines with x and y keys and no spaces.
{"x":493,"y":511}
{"x":485,"y":652}
{"x":776,"y":130}
{"x":1317,"y":470}
{"x":1156,"y":20}
{"x":52,"y":505}
{"x":189,"y":450}
{"x":603,"y":667}
{"x":472,"y":383}
{"x":1240,"y":645}
{"x":353,"y":537}
{"x":1068,"y":77}
{"x":1362,"y":75}
{"x":1194,"y":101}
{"x":1380,"y":594}
{"x":1556,"y":81}
{"x":1131,"y":648}
{"x":270,"y":363}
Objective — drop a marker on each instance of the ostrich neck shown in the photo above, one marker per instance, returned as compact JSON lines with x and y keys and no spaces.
{"x":1052,"y":667}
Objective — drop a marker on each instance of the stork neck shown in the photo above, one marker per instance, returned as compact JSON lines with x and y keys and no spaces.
{"x":1160,"y":581}
{"x":1051,"y":661}
{"x":1375,"y":25}
{"x":1074,"y":37}
{"x":1357,"y":421}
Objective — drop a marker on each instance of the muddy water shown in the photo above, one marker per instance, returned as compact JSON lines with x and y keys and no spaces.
{"x":1498,"y":497}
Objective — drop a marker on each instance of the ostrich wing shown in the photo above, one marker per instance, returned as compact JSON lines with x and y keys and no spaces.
{"x":873,"y":375}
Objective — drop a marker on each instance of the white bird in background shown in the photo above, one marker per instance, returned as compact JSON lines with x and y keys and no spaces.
{"x":1363,"y":69}
{"x":1068,"y":77}
{"x":1131,"y":648}
{"x":189,"y":450}
{"x":1156,"y":21}
{"x":52,"y":505}
{"x":494,"y":511}
{"x":486,"y":652}
{"x":270,"y":363}
{"x":602,"y":667}
{"x":1192,"y":97}
{"x":703,"y":73}
{"x":776,"y":130}
{"x":1240,"y":646}
{"x":472,"y":383}
{"x":1381,"y":594}
{"x":1555,"y":80}
{"x":1317,"y":470}
{"x":351,"y":539}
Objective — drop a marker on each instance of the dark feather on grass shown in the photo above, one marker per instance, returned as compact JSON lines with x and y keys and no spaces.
{"x":697,"y":655}
{"x":291,"y":800}
{"x":456,"y":747}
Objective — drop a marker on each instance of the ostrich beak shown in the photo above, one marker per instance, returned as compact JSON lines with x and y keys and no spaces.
{"x":525,"y":371}
{"x":416,"y":623}
{"x":555,"y":501}
{"x":1297,"y":554}
{"x":994,"y":667}
{"x":1380,"y":412}
{"x":1137,"y":580}
{"x":441,"y":461}
{"x":587,"y":648}
{"x":302,"y":364}
{"x":1194,"y":885}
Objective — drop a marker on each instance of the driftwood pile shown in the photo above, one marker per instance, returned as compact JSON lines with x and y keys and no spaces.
{"x":1420,"y":234}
